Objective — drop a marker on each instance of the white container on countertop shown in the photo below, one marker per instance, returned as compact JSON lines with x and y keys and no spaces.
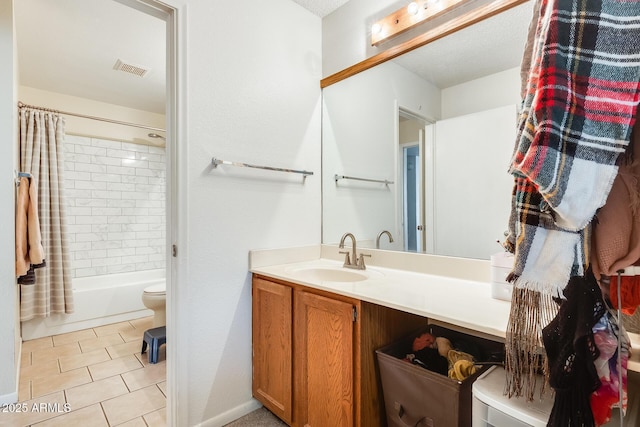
{"x":501,"y":266}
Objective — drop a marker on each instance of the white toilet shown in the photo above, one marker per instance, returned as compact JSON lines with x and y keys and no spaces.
{"x":154,"y":297}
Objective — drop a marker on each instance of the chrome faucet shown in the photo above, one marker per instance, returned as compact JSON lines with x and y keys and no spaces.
{"x":380,"y":235}
{"x":354,"y":261}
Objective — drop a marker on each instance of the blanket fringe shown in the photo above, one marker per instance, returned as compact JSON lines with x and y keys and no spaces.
{"x":554,"y":290}
{"x":525,"y":358}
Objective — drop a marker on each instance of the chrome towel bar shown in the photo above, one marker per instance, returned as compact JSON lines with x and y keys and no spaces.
{"x":337,"y":177}
{"x":215,"y":162}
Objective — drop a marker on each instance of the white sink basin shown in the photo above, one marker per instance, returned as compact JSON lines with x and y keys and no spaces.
{"x":329,"y":274}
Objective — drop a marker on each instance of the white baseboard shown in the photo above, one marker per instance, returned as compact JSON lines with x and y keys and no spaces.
{"x":232,"y":414}
{"x":7,"y":399}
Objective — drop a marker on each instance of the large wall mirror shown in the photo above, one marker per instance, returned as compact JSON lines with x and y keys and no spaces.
{"x":419,"y":145}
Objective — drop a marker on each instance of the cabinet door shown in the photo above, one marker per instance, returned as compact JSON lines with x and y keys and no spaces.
{"x":272,"y":340}
{"x":324,"y":361}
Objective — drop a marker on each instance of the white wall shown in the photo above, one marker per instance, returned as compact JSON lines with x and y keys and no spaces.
{"x":9,"y":325}
{"x":485,"y":93}
{"x":409,"y":130}
{"x":472,"y":187}
{"x":253,"y":95}
{"x":94,"y":128}
{"x":477,"y":134}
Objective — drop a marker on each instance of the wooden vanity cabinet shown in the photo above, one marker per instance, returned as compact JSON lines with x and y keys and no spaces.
{"x":323,"y":358}
{"x":314,"y":362}
{"x":272,"y":346}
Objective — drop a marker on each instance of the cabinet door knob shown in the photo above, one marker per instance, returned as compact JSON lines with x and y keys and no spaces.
{"x":420,"y":228}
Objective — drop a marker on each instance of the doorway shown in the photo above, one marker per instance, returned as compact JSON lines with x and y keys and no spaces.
{"x":411,"y":195}
{"x":146,"y":9}
{"x":169,"y":15}
{"x":411,"y":176}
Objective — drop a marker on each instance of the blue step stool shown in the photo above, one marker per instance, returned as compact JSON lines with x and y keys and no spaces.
{"x":155,"y":337}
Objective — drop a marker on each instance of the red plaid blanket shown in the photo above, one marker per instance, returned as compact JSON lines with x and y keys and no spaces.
{"x":576,"y":118}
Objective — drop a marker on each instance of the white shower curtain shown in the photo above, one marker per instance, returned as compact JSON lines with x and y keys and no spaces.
{"x":42,"y":155}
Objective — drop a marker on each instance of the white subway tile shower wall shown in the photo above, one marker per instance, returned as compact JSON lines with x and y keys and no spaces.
{"x":115,"y":195}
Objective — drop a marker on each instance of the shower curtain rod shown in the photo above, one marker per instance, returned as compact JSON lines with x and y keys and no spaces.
{"x":84,"y":116}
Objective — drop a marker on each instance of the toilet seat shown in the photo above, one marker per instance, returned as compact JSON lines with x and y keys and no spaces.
{"x":159,"y":289}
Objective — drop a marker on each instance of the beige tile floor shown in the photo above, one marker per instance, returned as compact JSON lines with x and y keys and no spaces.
{"x":93,"y":377}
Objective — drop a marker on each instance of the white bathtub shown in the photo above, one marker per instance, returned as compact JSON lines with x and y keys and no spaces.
{"x":99,"y":300}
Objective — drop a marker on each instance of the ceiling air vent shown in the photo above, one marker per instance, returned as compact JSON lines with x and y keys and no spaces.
{"x":130,"y":68}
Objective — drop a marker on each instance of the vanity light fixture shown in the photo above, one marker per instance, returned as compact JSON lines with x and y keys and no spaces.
{"x":413,"y":8}
{"x":408,"y":17}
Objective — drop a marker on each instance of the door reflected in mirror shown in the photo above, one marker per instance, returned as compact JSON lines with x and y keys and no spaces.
{"x":412,"y":187}
{"x":411,"y":138}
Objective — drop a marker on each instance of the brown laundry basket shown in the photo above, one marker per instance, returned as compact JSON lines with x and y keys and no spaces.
{"x":417,"y":397}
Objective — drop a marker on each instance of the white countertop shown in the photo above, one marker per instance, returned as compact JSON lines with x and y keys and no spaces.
{"x":442,"y":289}
{"x":456,"y":301}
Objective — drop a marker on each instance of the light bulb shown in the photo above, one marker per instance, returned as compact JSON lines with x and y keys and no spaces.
{"x":376,"y":28}
{"x":412,"y":8}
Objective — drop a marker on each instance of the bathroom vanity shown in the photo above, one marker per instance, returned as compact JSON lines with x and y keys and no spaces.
{"x":316,"y":325}
{"x":304,"y":336}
